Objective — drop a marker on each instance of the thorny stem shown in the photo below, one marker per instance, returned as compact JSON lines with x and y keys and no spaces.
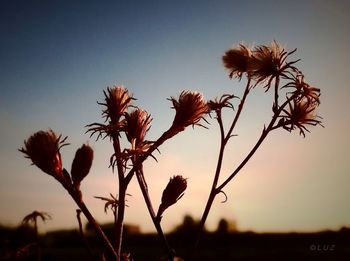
{"x":156,"y":221}
{"x":223,"y":141}
{"x":218,"y":189}
{"x":264,"y":134}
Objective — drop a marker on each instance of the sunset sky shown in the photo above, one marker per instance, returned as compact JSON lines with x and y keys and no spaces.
{"x":57,"y":57}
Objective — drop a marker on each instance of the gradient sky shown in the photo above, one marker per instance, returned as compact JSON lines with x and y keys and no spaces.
{"x":58,"y":56}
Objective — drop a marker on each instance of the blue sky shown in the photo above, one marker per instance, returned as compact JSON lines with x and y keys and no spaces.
{"x":58,"y":56}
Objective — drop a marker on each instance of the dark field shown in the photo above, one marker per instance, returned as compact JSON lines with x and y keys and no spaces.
{"x":245,"y":246}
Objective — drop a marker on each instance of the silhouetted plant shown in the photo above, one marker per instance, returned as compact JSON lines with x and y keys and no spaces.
{"x":32,"y":218}
{"x":293,"y":108}
{"x":33,"y":249}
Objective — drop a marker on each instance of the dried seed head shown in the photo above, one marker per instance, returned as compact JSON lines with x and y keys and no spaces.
{"x":81,"y":164}
{"x":43,"y":148}
{"x":300,"y":114}
{"x":172,"y":193}
{"x":190,"y":109}
{"x":265,"y":61}
{"x":303,"y":90}
{"x":269,"y":62}
{"x":237,"y":60}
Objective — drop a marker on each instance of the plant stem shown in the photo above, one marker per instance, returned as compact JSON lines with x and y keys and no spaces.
{"x":78,"y":200}
{"x":213,"y":189}
{"x":124,"y":180}
{"x":246,"y":159}
{"x":156,"y":221}
{"x":240,"y":108}
{"x":120,"y":219}
{"x":121,"y":198}
{"x":165,"y":136}
{"x":264,"y":134}
{"x":277,"y":82}
{"x":81,"y":232}
{"x":217,"y":189}
{"x":223,"y":141}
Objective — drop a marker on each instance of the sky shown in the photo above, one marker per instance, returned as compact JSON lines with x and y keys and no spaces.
{"x":57,"y":57}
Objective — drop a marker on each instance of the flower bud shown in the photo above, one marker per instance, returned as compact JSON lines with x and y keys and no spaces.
{"x":43,"y":148}
{"x":81,"y":164}
{"x":172,"y":193}
{"x":137,"y":125}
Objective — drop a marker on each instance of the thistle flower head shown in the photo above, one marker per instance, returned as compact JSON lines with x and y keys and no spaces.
{"x":269,"y":62}
{"x":237,"y":60}
{"x":172,"y":193}
{"x":117,"y":101}
{"x":300,"y":114}
{"x":303,"y":90}
{"x":223,"y":102}
{"x":137,"y":123}
{"x":43,"y":148}
{"x":81,"y":164}
{"x":190,"y":109}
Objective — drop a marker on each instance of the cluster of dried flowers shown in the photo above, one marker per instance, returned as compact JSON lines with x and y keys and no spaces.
{"x":266,"y":66}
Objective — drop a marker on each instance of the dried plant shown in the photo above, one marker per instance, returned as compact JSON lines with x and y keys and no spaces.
{"x":293,"y":107}
{"x":32,"y":218}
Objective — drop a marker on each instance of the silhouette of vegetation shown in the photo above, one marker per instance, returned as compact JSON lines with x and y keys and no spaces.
{"x":67,"y":245}
{"x":293,"y":108}
{"x":225,"y":226}
{"x":188,"y":226}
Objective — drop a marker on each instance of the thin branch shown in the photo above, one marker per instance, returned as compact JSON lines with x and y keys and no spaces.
{"x":82,"y":235}
{"x":119,"y":218}
{"x":165,"y":136}
{"x":240,"y":108}
{"x":76,"y":195}
{"x":264,"y":134}
{"x":223,"y":142}
{"x":156,"y":221}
